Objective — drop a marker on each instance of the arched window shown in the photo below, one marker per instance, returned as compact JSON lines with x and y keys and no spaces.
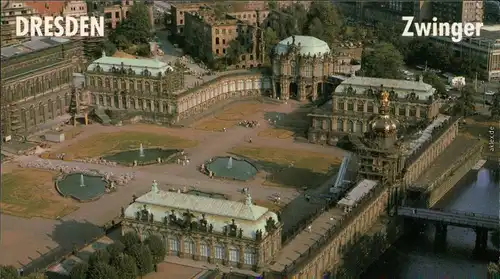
{"x":219,"y":251}
{"x":189,"y":246}
{"x":250,"y":256}
{"x":204,"y":249}
{"x":217,"y":41}
{"x":107,"y":83}
{"x":173,"y":244}
{"x":340,"y":125}
{"x":115,"y":83}
{"x":148,"y":86}
{"x":131,"y":85}
{"x":234,"y":254}
{"x":123,"y":84}
{"x":99,"y":82}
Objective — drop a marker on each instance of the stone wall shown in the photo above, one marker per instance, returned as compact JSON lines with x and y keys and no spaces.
{"x":453,"y":175}
{"x":231,"y":86}
{"x":328,"y":256}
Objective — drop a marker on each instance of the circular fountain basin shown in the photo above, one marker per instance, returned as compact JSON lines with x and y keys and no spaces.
{"x":69,"y":186}
{"x":150,"y":157}
{"x":237,"y":169}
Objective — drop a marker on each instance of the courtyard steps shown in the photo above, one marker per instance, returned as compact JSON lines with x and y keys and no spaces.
{"x":102,"y":117}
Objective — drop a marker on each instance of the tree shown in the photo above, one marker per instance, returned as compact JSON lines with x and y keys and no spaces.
{"x":494,"y":269}
{"x":143,"y":258}
{"x":157,"y":247}
{"x":330,"y":19}
{"x":136,"y":27}
{"x":8,"y":272}
{"x":383,"y":61}
{"x":79,"y":271}
{"x":315,"y":28}
{"x":130,"y":239}
{"x":99,"y":256}
{"x":234,"y":52}
{"x":495,"y":106}
{"x":432,"y":79}
{"x":115,"y":249}
{"x":270,"y":40}
{"x":125,"y":266}
{"x":465,"y":104}
{"x":102,"y":271}
{"x":272,"y":5}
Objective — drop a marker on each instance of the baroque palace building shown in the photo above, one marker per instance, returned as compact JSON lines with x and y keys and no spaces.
{"x":144,"y":85}
{"x":302,"y":66}
{"x":154,"y":91}
{"x":37,"y":77}
{"x":251,"y":237}
{"x":220,"y":231}
{"x":354,"y":102}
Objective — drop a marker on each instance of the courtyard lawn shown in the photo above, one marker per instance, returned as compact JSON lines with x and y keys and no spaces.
{"x":276,"y":133}
{"x":239,"y":112}
{"x":108,"y":143}
{"x":31,"y":193}
{"x":229,"y":117}
{"x":290,"y":167}
{"x":214,"y":125}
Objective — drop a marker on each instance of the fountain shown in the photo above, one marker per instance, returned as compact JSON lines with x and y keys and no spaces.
{"x":81,"y":186}
{"x":82,"y":181}
{"x":143,"y":156}
{"x":230,"y":163}
{"x":229,"y":167}
{"x":141,"y":151}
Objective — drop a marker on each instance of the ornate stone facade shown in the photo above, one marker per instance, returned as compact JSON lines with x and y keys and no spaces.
{"x":354,"y":103}
{"x":135,"y":85}
{"x":231,"y":86}
{"x":36,"y":81}
{"x":247,"y":237}
{"x":301,"y":67}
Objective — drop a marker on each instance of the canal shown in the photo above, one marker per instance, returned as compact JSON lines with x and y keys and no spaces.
{"x":477,"y":192}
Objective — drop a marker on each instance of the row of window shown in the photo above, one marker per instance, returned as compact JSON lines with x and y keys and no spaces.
{"x":142,"y":104}
{"x":219,"y":251}
{"x":360,"y":108}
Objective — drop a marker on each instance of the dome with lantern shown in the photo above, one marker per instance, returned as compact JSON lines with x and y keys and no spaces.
{"x":383,"y":124}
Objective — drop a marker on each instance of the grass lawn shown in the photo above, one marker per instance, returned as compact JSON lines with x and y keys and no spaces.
{"x":276,"y":133}
{"x":290,"y":167}
{"x":108,"y":143}
{"x":239,"y":112}
{"x":229,"y":117}
{"x":214,"y":124}
{"x":31,"y":193}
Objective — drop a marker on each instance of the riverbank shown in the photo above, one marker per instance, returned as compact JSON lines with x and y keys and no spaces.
{"x":412,"y":258}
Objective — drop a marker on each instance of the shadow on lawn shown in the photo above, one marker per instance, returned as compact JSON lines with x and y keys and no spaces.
{"x":290,"y":176}
{"x":296,"y":121}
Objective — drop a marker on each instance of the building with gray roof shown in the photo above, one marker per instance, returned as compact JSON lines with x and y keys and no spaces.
{"x":355,"y":102}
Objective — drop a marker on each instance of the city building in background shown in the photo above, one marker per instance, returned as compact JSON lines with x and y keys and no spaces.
{"x":208,"y":35}
{"x":11,"y":10}
{"x":484,"y":49}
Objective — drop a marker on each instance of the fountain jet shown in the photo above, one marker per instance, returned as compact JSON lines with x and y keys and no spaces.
{"x":230,"y":163}
{"x":141,"y":151}
{"x":82,"y":181}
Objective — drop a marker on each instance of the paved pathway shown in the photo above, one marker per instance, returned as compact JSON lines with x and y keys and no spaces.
{"x":24,"y":237}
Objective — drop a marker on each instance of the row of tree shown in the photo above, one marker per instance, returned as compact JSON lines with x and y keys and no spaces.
{"x":125,"y":259}
{"x":417,"y":51}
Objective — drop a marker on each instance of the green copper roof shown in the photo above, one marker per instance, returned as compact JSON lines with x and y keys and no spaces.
{"x":137,"y":65}
{"x":307,"y":45}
